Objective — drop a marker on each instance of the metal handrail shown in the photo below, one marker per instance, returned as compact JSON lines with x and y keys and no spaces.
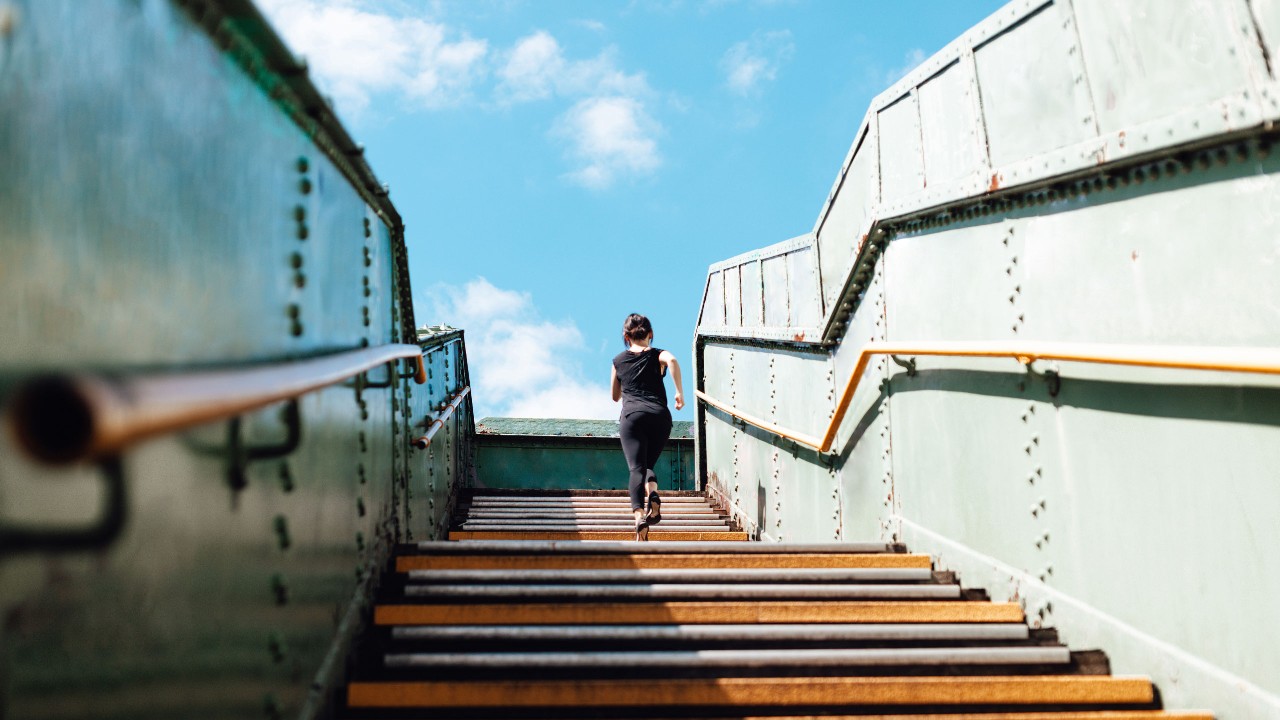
{"x":422,"y":443}
{"x":65,"y":418}
{"x":1221,"y":359}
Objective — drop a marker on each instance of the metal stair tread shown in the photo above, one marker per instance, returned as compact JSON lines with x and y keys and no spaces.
{"x":675,"y":575}
{"x":689,"y":591}
{"x":739,"y":658}
{"x":712,"y":611}
{"x":734,"y":632}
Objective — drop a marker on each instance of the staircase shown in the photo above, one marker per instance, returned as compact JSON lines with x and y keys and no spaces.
{"x":585,"y":515}
{"x":525,"y":626}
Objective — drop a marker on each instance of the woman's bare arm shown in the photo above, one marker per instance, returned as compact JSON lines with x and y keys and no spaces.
{"x":615,"y":387}
{"x":669,"y":361}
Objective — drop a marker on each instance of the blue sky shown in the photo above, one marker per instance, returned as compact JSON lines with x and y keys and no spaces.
{"x":561,"y":164}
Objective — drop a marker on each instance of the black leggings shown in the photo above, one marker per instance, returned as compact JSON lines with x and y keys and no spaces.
{"x":643,"y":435}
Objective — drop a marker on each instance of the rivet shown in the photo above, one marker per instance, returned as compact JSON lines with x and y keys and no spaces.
{"x":303,"y":232}
{"x":303,"y":165}
{"x":299,"y":213}
{"x":295,"y":260}
{"x":359,"y":541}
{"x":279,"y":589}
{"x":286,"y":478}
{"x":304,"y":186}
{"x":272,"y":707}
{"x":295,"y":329}
{"x":275,"y":646}
{"x":300,"y":279}
{"x":281,"y":526}
{"x":360,"y":509}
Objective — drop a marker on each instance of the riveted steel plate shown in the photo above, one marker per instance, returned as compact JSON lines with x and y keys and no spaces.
{"x":752,"y":295}
{"x":733,"y":296}
{"x":846,"y":220}
{"x":1029,"y":98}
{"x":1149,"y":58}
{"x":713,"y":304}
{"x":947,"y":125}
{"x":899,"y":126}
{"x":777,"y":303}
{"x":802,"y":283}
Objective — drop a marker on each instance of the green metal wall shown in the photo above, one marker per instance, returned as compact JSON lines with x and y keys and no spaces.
{"x":557,"y":454}
{"x":1075,"y":171}
{"x":173,"y":197}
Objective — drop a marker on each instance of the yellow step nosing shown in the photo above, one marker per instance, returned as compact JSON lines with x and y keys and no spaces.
{"x":775,"y":692}
{"x":717,"y":612}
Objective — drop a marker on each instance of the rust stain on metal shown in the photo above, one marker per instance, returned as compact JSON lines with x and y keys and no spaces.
{"x":798,"y":337}
{"x":995,"y":182}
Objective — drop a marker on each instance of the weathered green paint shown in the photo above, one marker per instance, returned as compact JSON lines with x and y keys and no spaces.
{"x":158,"y":175}
{"x":556,"y":454}
{"x":1080,"y":171}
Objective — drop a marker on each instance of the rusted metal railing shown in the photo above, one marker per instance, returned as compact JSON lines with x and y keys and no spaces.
{"x":65,"y":418}
{"x":422,"y":443}
{"x":1222,"y":359}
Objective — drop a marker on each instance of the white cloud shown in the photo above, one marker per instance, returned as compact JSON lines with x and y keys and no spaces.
{"x":608,"y":132}
{"x":532,"y":69}
{"x":521,"y":364}
{"x":750,"y":64}
{"x":609,"y":137}
{"x":910,"y":62}
{"x":356,"y":52}
{"x":536,"y":69}
{"x":589,"y":24}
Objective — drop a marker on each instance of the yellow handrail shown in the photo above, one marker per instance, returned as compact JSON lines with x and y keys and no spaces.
{"x":1222,"y":359}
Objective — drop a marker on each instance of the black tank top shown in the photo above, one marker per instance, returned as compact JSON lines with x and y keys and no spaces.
{"x":640,"y":375}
